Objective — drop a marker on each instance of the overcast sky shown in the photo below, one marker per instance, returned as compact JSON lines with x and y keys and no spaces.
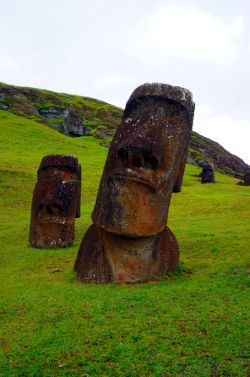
{"x":106,"y":48}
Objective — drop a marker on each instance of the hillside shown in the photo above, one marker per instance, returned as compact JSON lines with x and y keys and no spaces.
{"x":191,"y":323}
{"x":81,"y":116}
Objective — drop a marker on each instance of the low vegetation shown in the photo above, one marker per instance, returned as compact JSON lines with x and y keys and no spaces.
{"x":102,"y":119}
{"x":189,"y":323}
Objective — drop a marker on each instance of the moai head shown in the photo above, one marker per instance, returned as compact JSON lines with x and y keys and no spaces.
{"x":56,"y":202}
{"x":145,"y":160}
{"x":207,"y":174}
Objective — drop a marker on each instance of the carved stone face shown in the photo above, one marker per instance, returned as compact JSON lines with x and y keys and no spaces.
{"x":144,"y":162}
{"x":56,"y":202}
{"x":207,"y":175}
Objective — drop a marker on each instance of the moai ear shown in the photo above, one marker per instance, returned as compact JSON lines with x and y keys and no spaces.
{"x":181,"y":168}
{"x":247,"y":178}
{"x":78,"y":203}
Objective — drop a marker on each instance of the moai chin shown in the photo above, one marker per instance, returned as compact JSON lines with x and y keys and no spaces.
{"x":247,"y":178}
{"x":129,"y":241}
{"x":56,"y":202}
{"x":207,"y":174}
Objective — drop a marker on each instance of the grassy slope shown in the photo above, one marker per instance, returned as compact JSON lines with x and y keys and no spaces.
{"x":182,"y":325}
{"x":102,"y":119}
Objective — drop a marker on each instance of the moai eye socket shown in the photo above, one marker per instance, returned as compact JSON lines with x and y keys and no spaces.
{"x":151,"y":161}
{"x":137,"y":157}
{"x":122,"y":153}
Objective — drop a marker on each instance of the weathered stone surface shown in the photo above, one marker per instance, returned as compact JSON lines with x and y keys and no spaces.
{"x":108,"y":257}
{"x":247,"y":178}
{"x":68,"y":123}
{"x":145,"y":162}
{"x":56,"y":202}
{"x":207,"y":174}
{"x":3,"y":106}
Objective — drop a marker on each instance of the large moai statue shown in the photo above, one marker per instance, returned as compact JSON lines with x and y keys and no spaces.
{"x":56,"y":202}
{"x":129,"y":241}
{"x":247,"y":178}
{"x":207,"y":174}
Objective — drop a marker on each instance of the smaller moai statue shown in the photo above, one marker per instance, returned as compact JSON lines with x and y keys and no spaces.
{"x":207,"y":174}
{"x":56,"y":202}
{"x":247,"y":178}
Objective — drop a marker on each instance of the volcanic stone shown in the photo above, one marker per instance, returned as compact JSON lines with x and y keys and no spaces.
{"x":129,"y":240}
{"x":56,"y":202}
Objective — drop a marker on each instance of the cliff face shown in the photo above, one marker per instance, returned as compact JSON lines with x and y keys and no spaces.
{"x":69,"y":114}
{"x":204,"y":149}
{"x":80,"y":116}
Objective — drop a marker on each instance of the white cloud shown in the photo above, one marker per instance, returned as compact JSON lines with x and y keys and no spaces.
{"x":110,"y":79}
{"x":8,"y":65}
{"x":185,"y":32}
{"x":110,"y":86}
{"x":232,"y":134}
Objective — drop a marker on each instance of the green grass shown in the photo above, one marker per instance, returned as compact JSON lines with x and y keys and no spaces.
{"x":5,"y":102}
{"x":190,"y":323}
{"x":46,"y":106}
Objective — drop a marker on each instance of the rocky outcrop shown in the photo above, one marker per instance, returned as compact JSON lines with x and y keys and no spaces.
{"x":3,"y":106}
{"x":64,"y":120}
{"x":70,"y":114}
{"x":207,"y":150}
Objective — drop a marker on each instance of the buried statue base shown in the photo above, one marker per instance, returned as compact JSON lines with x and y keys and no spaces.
{"x":105,"y":257}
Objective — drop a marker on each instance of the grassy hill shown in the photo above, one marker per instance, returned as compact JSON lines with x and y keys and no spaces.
{"x":93,"y":117}
{"x":191,"y":323}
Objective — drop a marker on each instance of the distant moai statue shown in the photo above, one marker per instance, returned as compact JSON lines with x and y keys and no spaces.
{"x":207,"y":174}
{"x":56,"y":202}
{"x":129,"y":241}
{"x":247,"y":178}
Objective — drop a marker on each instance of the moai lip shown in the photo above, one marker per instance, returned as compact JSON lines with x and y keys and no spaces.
{"x":247,"y":178}
{"x":207,"y":174}
{"x":144,"y":166}
{"x":56,"y":202}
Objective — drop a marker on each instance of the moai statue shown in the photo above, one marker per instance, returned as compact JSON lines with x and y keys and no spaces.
{"x":247,"y":178}
{"x":56,"y":202}
{"x":207,"y":174}
{"x":129,"y":241}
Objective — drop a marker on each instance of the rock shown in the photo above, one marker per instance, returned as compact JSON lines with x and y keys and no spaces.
{"x":71,"y":124}
{"x":52,"y":112}
{"x":3,"y":106}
